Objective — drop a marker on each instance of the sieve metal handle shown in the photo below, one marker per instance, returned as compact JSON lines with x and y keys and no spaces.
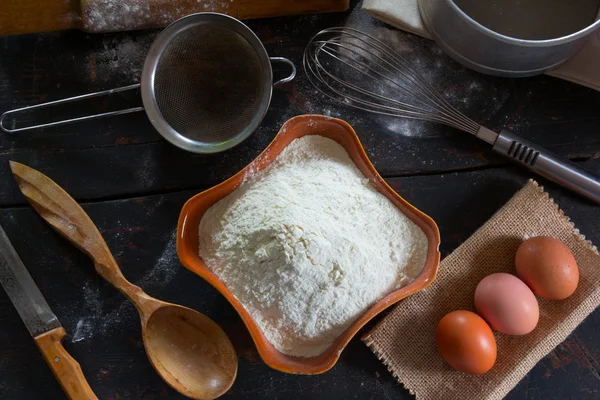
{"x":69,"y":100}
{"x":288,"y":62}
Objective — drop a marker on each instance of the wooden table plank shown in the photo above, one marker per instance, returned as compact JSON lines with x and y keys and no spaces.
{"x":559,"y":115}
{"x":140,"y":233}
{"x":118,"y":172}
{"x":110,"y":163}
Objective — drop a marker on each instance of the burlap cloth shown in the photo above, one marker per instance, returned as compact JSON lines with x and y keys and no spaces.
{"x":404,"y":339}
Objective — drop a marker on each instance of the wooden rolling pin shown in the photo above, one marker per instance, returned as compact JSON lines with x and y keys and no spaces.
{"x":28,"y":16}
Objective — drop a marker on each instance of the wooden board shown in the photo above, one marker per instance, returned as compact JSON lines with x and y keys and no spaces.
{"x":124,"y":156}
{"x":28,"y":16}
{"x":450,"y":175}
{"x":140,"y":232}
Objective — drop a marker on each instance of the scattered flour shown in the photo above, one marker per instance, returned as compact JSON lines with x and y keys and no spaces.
{"x":98,"y":322}
{"x":83,"y":330}
{"x":86,"y":326}
{"x":115,"y":15}
{"x":119,"y":57}
{"x":308,"y":245}
{"x":118,"y":15}
{"x":409,"y":127}
{"x":166,"y":266}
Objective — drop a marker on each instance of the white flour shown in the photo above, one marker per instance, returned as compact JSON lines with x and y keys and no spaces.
{"x":308,"y":245}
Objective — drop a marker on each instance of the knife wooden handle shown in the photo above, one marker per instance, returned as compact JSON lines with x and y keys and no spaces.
{"x":29,"y":16}
{"x":66,"y":370}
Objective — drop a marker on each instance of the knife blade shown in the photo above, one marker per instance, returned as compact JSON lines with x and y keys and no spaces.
{"x":22,"y":291}
{"x":40,"y":321}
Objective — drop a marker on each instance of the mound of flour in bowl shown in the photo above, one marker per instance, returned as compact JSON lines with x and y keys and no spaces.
{"x":308,"y":244}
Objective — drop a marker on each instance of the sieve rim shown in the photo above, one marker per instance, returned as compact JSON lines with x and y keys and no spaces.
{"x":525,"y":42}
{"x":149,"y":71}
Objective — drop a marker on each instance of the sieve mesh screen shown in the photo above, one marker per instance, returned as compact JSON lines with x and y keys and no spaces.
{"x":208,"y":83}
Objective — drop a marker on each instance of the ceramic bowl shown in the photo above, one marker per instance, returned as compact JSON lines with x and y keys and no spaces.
{"x":341,"y":132}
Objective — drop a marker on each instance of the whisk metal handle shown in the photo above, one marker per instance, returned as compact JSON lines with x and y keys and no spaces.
{"x":549,"y":165}
{"x":69,"y":100}
{"x":288,"y":62}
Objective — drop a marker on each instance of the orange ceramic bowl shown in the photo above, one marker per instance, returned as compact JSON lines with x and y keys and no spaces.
{"x":341,"y":132}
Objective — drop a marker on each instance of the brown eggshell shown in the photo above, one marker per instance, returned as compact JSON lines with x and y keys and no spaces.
{"x":466,"y":342}
{"x":548,"y":267}
{"x":507,"y":304}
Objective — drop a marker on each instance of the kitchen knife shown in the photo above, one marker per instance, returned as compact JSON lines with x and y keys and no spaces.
{"x":41,"y":322}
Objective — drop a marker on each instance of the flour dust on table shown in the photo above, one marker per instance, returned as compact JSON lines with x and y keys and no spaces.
{"x":120,"y":57}
{"x":97,"y":321}
{"x":308,"y":244}
{"x":478,"y":96}
{"x":116,"y":15}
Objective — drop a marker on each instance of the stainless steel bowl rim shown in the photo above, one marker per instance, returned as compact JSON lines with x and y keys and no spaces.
{"x":149,"y":70}
{"x":524,"y":42}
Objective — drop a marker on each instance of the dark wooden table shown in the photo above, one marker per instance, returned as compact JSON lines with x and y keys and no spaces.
{"x":133,"y":184}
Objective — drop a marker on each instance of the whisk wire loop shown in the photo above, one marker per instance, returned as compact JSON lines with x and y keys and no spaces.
{"x":361,"y":71}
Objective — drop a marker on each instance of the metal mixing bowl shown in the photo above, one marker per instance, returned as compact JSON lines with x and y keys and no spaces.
{"x":522,"y":41}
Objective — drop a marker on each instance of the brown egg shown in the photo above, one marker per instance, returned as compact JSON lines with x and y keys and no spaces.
{"x":507,"y":304}
{"x":466,"y":342}
{"x":548,"y":267}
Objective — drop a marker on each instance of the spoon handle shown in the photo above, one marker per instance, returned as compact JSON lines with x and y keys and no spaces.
{"x":67,"y":217}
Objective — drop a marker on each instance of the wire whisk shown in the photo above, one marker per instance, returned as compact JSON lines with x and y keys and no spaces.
{"x":359,"y":70}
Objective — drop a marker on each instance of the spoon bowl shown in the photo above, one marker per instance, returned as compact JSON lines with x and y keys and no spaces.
{"x":190,"y":352}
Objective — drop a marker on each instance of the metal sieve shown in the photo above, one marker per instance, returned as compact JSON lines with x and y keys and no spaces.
{"x":206,"y":85}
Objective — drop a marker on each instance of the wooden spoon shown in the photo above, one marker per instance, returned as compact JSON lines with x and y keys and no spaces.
{"x":187,"y":349}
